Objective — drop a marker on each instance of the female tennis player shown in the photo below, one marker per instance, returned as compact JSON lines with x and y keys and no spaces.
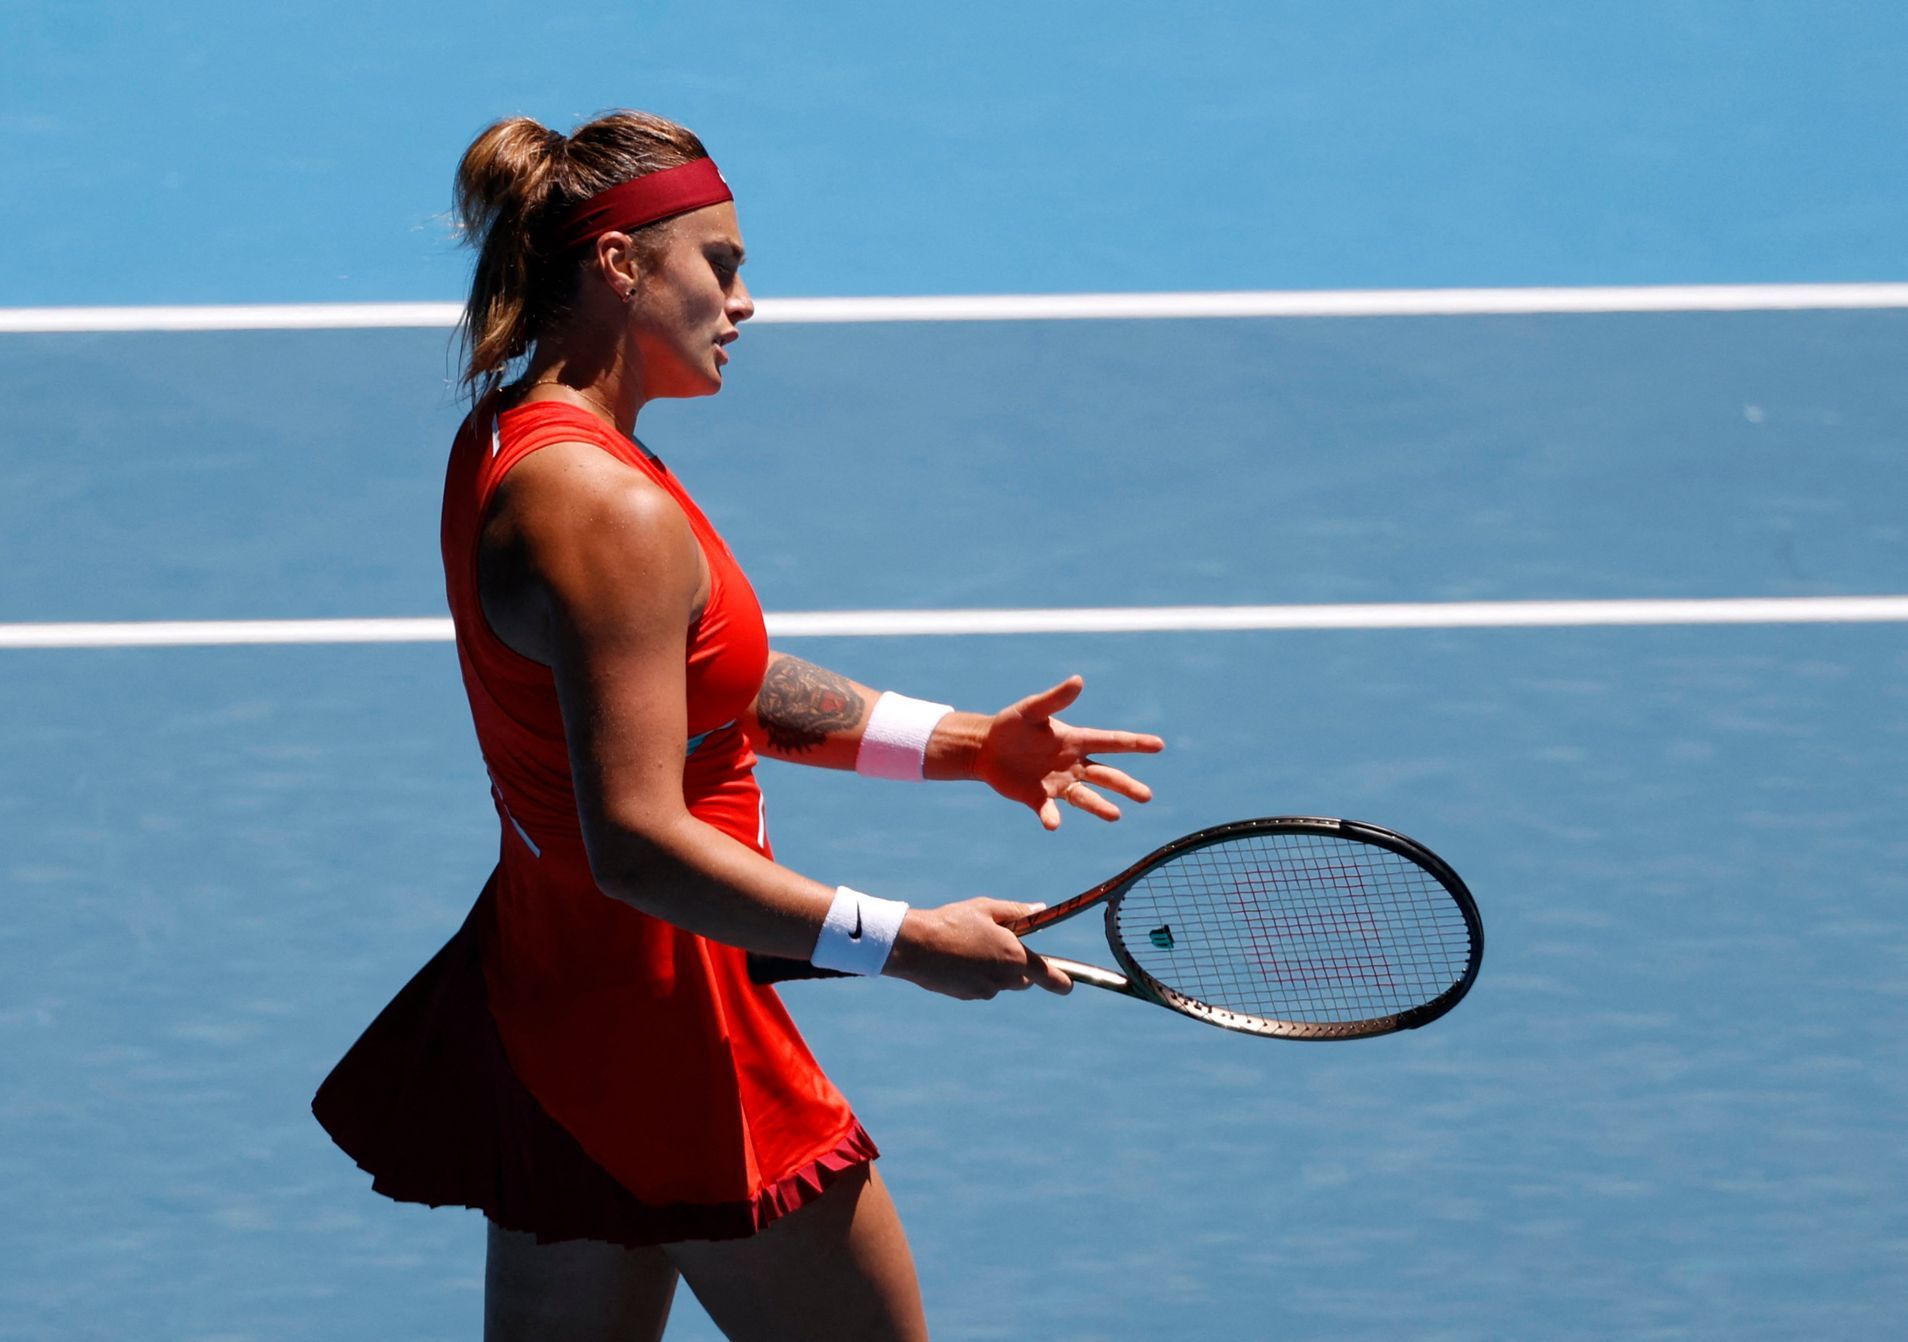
{"x":588,"y":1060}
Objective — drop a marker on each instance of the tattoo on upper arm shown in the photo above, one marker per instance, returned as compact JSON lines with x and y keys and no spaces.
{"x":801,"y":705}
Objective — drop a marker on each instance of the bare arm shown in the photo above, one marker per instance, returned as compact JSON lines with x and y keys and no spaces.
{"x":808,"y":714}
{"x":591,"y":569}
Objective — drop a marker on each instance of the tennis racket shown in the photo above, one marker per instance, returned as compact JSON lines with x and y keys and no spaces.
{"x":1290,"y":927}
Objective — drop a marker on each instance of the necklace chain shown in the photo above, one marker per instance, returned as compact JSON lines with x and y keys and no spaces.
{"x":578,"y":391}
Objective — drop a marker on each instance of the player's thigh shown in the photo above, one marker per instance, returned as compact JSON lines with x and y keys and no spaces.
{"x":838,"y":1270}
{"x":574,"y":1290}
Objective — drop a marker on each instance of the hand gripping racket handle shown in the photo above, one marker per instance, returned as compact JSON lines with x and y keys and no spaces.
{"x":1092,"y":975}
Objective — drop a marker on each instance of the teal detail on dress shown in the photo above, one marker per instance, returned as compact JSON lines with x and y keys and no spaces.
{"x":695,"y":741}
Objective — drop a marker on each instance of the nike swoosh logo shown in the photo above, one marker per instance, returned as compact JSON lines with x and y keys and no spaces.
{"x":856,"y":934}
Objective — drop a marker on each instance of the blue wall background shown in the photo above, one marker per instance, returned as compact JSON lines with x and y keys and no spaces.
{"x":223,"y":151}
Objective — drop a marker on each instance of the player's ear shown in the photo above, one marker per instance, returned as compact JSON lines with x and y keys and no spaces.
{"x":617,"y":263}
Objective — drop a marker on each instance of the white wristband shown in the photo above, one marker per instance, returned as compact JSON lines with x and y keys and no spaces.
{"x":858,"y":932}
{"x":894,"y":744}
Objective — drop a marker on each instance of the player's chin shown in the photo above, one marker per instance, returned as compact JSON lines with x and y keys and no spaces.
{"x":700,"y":382}
{"x":711,"y":372}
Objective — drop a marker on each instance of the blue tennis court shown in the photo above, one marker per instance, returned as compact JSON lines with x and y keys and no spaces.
{"x":1671,"y":1106}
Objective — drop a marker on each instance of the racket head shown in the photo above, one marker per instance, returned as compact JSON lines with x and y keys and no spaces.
{"x":1298,"y":927}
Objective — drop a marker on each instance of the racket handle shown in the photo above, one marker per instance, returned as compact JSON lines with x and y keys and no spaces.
{"x":776,"y":969}
{"x":1092,"y":975}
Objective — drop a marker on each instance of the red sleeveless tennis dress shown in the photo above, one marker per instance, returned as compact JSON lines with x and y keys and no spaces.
{"x":572,"y":1066}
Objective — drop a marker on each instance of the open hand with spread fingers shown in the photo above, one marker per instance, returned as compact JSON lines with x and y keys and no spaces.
{"x":1030,"y":756}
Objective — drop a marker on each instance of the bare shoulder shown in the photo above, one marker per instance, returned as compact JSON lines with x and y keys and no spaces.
{"x":576,"y":494}
{"x":578,"y":535}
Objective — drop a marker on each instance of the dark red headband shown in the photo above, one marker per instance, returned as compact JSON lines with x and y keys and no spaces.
{"x":644,"y":200}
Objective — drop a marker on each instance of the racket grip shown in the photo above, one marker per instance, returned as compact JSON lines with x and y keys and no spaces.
{"x":1092,"y":975}
{"x":779,"y":969}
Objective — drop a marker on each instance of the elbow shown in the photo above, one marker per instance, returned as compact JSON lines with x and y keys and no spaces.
{"x":634,"y":858}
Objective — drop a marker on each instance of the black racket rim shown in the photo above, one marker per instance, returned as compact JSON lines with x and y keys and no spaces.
{"x":1357,"y":831}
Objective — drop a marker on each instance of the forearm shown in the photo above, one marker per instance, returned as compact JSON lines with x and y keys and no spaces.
{"x":679,"y":869}
{"x":1024,"y":752}
{"x":686,"y":872}
{"x":808,"y":714}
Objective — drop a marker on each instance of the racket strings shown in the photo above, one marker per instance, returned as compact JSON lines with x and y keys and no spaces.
{"x":1296,"y":927}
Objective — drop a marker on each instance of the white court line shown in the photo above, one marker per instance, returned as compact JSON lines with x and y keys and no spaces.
{"x":1076,"y":620}
{"x":1026,"y":307}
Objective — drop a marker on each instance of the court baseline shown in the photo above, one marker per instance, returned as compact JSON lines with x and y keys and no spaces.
{"x":1075,"y":620}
